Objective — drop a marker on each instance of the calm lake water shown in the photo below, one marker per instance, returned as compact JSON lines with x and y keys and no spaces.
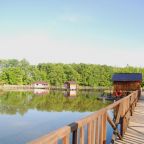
{"x":25,"y":116}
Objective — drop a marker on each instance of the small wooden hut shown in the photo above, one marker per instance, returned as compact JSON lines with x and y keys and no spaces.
{"x":125,"y":83}
{"x":70,"y":85}
{"x":40,"y":85}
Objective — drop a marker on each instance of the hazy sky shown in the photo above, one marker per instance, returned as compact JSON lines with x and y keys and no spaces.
{"x":89,"y":31}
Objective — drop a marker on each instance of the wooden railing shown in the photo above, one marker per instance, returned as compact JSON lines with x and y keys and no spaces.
{"x":93,"y":128}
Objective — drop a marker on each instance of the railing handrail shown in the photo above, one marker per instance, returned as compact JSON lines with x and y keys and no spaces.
{"x":124,"y":106}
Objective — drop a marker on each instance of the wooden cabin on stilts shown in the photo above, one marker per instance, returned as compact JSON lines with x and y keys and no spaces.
{"x":125,"y":83}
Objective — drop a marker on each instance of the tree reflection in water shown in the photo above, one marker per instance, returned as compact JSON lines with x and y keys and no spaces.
{"x":21,"y":102}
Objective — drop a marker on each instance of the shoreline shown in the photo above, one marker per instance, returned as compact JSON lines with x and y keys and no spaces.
{"x":30,"y":87}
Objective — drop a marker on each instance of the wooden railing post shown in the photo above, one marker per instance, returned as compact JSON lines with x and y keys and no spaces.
{"x":92,"y":130}
{"x":122,"y":121}
{"x":97,"y":131}
{"x":104,"y":127}
{"x":65,"y":140}
{"x":89,"y":133}
{"x":101,"y":129}
{"x":74,"y":128}
{"x":82,"y":135}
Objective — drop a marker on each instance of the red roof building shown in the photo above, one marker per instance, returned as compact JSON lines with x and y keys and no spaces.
{"x":40,"y":85}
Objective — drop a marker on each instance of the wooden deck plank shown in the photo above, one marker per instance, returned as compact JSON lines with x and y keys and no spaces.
{"x":135,"y":131}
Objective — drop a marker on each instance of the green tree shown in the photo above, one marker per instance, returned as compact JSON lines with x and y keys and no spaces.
{"x":12,"y":75}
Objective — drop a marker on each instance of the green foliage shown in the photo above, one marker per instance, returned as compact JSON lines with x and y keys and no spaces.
{"x":12,"y":75}
{"x":21,"y":72}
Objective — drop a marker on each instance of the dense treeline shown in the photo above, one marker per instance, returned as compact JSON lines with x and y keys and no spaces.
{"x":21,"y":72}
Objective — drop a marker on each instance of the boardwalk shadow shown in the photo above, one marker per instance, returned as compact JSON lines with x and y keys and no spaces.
{"x":137,"y":130}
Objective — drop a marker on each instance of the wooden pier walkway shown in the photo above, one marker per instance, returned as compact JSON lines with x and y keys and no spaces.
{"x":96,"y":125}
{"x":135,"y":130}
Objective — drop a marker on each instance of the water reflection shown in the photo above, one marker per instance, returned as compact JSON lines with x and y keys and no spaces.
{"x":70,"y":94}
{"x":24,"y":116}
{"x":41,"y":91}
{"x":20,"y":102}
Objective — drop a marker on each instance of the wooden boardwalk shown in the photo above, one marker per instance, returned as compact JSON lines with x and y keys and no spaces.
{"x":96,"y":125}
{"x":135,"y":131}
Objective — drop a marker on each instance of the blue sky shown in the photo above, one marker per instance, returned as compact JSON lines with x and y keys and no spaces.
{"x":90,"y":31}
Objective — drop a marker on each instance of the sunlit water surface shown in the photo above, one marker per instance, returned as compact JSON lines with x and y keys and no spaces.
{"x":25,"y":116}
